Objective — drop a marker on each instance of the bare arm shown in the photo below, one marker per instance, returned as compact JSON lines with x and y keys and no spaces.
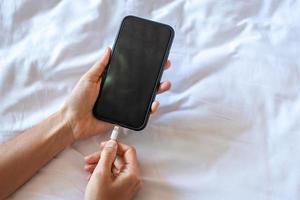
{"x":25,"y":154}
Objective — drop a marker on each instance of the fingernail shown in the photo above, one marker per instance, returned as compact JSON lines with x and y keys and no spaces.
{"x":111,"y":143}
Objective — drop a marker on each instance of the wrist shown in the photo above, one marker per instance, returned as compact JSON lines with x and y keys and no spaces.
{"x":66,"y":120}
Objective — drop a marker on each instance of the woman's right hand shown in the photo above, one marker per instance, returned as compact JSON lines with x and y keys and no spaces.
{"x":114,"y":172}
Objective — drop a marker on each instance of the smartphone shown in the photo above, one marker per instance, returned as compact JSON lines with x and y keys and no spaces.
{"x":132,"y":77}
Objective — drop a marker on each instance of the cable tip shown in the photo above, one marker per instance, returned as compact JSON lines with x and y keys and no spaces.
{"x":114,"y":133}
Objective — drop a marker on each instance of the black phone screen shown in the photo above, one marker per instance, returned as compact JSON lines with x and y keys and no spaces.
{"x":132,"y":76}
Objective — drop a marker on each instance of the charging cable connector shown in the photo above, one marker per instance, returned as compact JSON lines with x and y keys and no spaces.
{"x":114,"y":133}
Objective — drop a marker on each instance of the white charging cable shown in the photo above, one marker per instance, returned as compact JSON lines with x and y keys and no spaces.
{"x":114,"y":133}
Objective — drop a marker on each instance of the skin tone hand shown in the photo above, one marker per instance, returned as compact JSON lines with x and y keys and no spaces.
{"x":78,"y":108}
{"x":92,"y":160}
{"x":123,"y":182}
{"x":24,"y":155}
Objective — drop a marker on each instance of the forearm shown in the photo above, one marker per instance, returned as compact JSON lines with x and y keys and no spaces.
{"x":24,"y":155}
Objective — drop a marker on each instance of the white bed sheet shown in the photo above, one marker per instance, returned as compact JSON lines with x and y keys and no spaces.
{"x":228,"y":129}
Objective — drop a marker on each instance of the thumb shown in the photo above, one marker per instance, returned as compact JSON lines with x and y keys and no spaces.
{"x":96,"y":71}
{"x":107,"y":158}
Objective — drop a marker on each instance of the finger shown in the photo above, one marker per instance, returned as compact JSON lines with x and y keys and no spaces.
{"x":97,"y":69}
{"x":167,"y":65}
{"x":119,"y":162}
{"x":163,"y":87}
{"x":102,"y":145}
{"x":154,"y":107}
{"x":107,"y":158}
{"x":90,"y":168}
{"x":117,"y":167}
{"x":122,"y":148}
{"x":92,"y":158}
{"x":129,"y":156}
{"x":115,"y":171}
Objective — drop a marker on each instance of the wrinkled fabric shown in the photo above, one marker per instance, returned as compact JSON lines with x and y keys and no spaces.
{"x":228,"y":129}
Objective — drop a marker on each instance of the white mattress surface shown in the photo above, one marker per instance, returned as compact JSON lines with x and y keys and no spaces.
{"x":228,"y":129}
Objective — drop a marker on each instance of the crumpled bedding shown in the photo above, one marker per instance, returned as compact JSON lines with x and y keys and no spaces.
{"x":228,"y":129}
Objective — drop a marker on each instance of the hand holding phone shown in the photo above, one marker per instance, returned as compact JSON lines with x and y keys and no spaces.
{"x":133,"y":74}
